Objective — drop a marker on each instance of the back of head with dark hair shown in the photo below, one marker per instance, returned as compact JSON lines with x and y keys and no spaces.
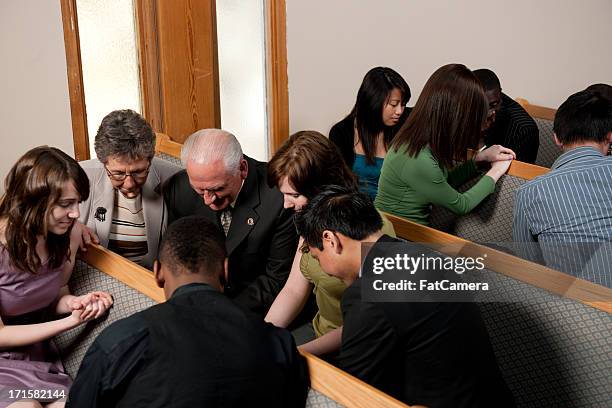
{"x":372,"y":97}
{"x":310,"y":161}
{"x":448,"y":117}
{"x":193,"y":245}
{"x":126,"y":134}
{"x":32,"y":187}
{"x":488,"y":79}
{"x":338,"y":209}
{"x":604,"y":90}
{"x":584,"y":116}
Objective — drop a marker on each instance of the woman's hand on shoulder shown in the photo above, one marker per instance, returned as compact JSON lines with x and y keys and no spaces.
{"x":92,"y":305}
{"x":495,"y":153}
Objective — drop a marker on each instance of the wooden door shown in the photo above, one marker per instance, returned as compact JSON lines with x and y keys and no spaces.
{"x":180,"y":76}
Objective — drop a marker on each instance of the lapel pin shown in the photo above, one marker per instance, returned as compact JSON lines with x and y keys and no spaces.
{"x":100,"y":214}
{"x":251,"y":221}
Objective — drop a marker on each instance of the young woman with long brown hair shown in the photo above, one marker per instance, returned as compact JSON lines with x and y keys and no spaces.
{"x":421,"y":166}
{"x":38,"y":244}
{"x":301,"y":169}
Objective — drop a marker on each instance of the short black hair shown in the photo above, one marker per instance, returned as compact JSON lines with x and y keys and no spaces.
{"x":584,"y":116}
{"x":488,"y":79}
{"x":604,"y":90}
{"x":193,"y":245}
{"x":338,"y":209}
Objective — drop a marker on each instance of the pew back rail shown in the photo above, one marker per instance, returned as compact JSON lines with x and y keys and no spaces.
{"x":551,"y":335}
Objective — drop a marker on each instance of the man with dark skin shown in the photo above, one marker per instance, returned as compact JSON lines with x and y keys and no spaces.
{"x":196,"y":349}
{"x":508,"y":124}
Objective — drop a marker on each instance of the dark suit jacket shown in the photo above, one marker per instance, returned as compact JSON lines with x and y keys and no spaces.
{"x":430,"y":353}
{"x":198,"y":349}
{"x":261,"y":241}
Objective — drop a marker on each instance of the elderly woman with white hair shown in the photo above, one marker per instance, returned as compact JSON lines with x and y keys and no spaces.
{"x":125,"y":207}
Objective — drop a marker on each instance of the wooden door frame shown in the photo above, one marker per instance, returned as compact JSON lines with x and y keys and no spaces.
{"x":276,"y":72}
{"x":148,"y":55}
{"x":78,"y":113}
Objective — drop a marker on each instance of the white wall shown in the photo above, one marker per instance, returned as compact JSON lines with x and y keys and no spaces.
{"x":542,"y":50}
{"x":241,"y":49}
{"x":34,"y":101}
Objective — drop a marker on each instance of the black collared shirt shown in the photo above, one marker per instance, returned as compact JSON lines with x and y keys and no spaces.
{"x":436,"y":354}
{"x":197,"y":349}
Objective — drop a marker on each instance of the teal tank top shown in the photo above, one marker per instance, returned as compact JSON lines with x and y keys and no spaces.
{"x":368,"y":174}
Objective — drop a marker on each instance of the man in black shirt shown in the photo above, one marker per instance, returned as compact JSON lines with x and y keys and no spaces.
{"x":508,"y":124}
{"x":196,"y":349}
{"x":428,"y":353}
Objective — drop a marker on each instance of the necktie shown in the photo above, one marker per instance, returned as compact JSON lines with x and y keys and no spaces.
{"x":226,"y":220}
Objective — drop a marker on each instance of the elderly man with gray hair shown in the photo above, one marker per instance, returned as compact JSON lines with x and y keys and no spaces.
{"x":230,"y":189}
{"x":125,"y":207}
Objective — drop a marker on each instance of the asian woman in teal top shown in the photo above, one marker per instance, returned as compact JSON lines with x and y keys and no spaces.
{"x":420,"y":168}
{"x":365,"y":134}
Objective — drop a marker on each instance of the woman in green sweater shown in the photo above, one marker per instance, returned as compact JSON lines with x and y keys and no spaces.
{"x":420,"y":168}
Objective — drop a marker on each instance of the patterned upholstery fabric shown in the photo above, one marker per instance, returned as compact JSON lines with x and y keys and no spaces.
{"x":171,"y":159}
{"x":317,"y":400}
{"x":74,"y":344}
{"x":552,"y":351}
{"x":491,"y":221}
{"x":548,"y":150}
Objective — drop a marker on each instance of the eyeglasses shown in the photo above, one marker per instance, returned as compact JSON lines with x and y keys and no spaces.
{"x":136,"y":175}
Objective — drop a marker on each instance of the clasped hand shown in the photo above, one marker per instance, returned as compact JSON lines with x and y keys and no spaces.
{"x":90,"y":306}
{"x":495,"y":153}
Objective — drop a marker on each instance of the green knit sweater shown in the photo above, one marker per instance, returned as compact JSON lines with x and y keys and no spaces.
{"x":408,"y":186}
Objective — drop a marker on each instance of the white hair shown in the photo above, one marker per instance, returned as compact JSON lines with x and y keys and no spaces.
{"x":209,"y":145}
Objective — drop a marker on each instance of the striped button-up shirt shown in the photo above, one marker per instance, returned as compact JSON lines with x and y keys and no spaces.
{"x":568,"y":212}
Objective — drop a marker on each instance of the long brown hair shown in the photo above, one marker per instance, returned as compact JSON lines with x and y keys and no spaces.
{"x":32,"y":187}
{"x":448,"y":116}
{"x":310,"y":161}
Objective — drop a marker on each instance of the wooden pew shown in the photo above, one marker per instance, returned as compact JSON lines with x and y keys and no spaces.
{"x":539,"y":276}
{"x":544,"y":117}
{"x":491,"y":220}
{"x":574,"y":328}
{"x":167,"y":147}
{"x":551,"y":337}
{"x":134,"y":289}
